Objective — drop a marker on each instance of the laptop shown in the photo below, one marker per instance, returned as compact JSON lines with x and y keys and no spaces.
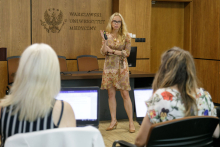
{"x":84,"y":102}
{"x":140,"y":96}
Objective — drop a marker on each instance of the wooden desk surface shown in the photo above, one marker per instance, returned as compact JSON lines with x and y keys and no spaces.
{"x":98,"y":75}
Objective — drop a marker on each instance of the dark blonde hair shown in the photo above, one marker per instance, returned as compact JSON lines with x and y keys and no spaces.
{"x":178,"y":68}
{"x":123,"y":30}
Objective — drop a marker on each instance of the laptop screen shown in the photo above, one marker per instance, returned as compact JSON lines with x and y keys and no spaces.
{"x":140,"y":96}
{"x":84,"y":102}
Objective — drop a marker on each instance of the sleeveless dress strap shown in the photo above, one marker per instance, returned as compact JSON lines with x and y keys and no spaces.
{"x":61,"y":113}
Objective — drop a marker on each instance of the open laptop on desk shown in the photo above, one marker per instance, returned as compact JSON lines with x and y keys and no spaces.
{"x":140,"y":96}
{"x":84,"y":102}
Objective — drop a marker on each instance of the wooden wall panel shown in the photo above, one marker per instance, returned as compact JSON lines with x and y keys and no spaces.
{"x":3,"y":78}
{"x":15,"y":26}
{"x":218,"y":81}
{"x":141,"y":65}
{"x":188,"y":14}
{"x":208,"y":74}
{"x":205,"y":30}
{"x":68,"y":39}
{"x":137,"y":14}
{"x":167,"y":29}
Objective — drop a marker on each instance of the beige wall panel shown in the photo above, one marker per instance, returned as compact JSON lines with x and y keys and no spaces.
{"x":67,"y":42}
{"x":141,"y":65}
{"x":205,"y":30}
{"x":3,"y":78}
{"x":72,"y":65}
{"x":167,"y":29}
{"x":106,"y":8}
{"x":207,"y":72}
{"x":137,"y":15}
{"x":15,"y":26}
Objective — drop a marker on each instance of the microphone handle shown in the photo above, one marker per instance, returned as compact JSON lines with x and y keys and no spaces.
{"x":106,"y":38}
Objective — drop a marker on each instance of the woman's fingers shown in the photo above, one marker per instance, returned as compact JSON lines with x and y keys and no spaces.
{"x":102,"y":33}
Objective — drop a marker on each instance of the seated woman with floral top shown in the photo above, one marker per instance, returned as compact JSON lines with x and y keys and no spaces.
{"x":175,"y":93}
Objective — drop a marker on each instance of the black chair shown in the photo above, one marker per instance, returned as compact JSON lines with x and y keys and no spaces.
{"x":87,"y":63}
{"x":63,"y":65}
{"x":217,"y":140}
{"x":184,"y":132}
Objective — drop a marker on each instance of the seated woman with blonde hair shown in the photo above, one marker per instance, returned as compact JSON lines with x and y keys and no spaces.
{"x":31,"y":106}
{"x":175,"y":93}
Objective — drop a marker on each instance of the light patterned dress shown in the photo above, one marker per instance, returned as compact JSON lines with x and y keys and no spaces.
{"x":166,"y":104}
{"x":116,"y":71}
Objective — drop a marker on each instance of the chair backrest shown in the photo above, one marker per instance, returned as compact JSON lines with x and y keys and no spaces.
{"x":3,"y":54}
{"x":13,"y":62}
{"x":87,"y":63}
{"x":184,"y":132}
{"x":62,"y":137}
{"x":63,"y":65}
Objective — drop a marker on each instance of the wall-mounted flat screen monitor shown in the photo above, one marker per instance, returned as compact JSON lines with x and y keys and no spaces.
{"x":132,"y":58}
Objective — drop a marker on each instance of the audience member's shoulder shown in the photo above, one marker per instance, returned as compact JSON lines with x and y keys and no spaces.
{"x":200,"y":92}
{"x":161,"y":90}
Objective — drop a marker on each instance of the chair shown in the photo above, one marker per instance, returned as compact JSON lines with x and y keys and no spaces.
{"x":217,"y":140}
{"x":63,"y":65}
{"x":62,"y":137}
{"x":87,"y":63}
{"x":3,"y":54}
{"x":13,"y":62}
{"x":184,"y":132}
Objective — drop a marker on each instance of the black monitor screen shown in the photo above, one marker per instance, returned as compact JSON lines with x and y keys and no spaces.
{"x":132,"y":57}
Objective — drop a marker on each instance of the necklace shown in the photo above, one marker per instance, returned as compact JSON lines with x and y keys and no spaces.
{"x":115,"y":38}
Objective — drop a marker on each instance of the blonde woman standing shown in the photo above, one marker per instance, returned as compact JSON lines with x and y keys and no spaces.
{"x":115,"y":76}
{"x":31,"y":106}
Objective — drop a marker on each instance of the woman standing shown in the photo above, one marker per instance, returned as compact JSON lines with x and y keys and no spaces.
{"x":116,"y":48}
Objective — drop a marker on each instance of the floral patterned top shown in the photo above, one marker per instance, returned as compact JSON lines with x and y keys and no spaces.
{"x":166,"y":104}
{"x":116,"y":71}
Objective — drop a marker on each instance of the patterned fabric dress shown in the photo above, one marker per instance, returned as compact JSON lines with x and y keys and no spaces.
{"x":116,"y":71}
{"x":166,"y":104}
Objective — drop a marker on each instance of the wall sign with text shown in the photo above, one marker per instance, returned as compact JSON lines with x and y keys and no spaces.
{"x":54,"y":20}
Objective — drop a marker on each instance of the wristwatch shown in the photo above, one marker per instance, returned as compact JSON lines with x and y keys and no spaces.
{"x":113,"y":52}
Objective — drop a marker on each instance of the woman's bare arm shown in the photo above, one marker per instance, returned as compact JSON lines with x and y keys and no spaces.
{"x":143,"y":132}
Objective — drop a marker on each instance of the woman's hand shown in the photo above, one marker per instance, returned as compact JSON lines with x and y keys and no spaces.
{"x":102,"y":34}
{"x":109,"y":50}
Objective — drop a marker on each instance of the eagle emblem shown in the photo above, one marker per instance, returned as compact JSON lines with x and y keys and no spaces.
{"x":53,"y":20}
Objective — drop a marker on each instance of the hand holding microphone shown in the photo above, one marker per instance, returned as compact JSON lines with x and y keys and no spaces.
{"x":103,"y":34}
{"x":105,"y":38}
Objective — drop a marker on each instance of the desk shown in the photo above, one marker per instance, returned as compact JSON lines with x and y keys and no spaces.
{"x":94,"y":78}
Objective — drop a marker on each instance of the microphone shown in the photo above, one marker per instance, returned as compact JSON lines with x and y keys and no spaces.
{"x":106,"y":38}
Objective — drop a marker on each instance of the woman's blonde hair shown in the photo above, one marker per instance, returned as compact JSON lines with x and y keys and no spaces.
{"x":36,"y":84}
{"x":178,"y":68}
{"x":123,"y":29}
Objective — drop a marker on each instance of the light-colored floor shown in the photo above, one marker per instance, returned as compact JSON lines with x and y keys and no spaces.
{"x":120,"y":133}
